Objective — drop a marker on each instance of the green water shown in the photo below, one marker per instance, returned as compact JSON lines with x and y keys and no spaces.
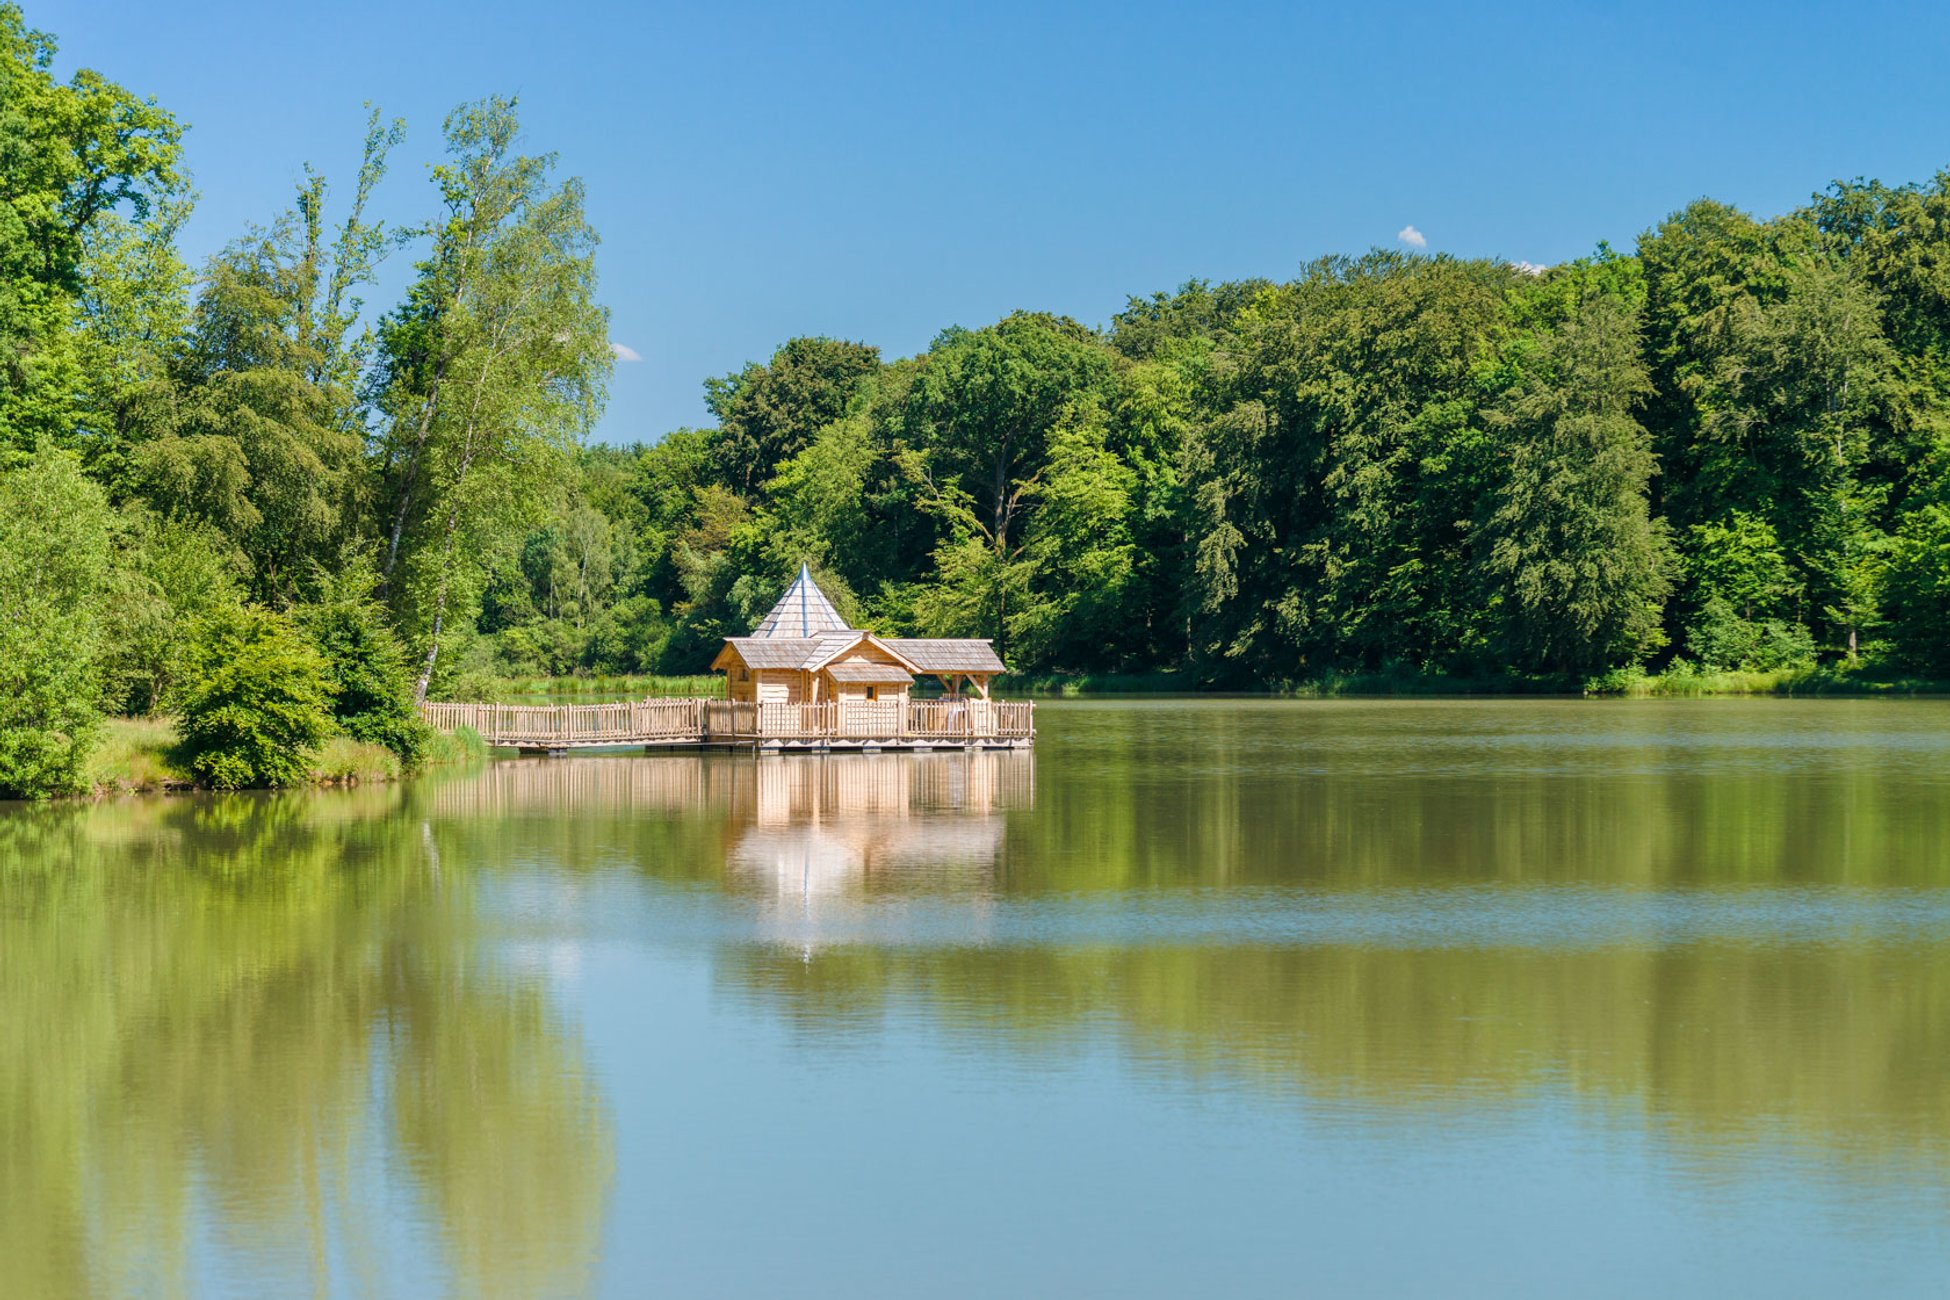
{"x":1214,"y":997}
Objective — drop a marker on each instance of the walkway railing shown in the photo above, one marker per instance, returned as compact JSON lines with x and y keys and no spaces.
{"x":632,"y":723}
{"x":702,"y":721}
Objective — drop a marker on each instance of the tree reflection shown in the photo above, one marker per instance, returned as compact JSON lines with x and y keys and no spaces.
{"x":229,"y":1015}
{"x":285,"y":1024}
{"x":1844,"y":1047}
{"x":1838,"y":1037}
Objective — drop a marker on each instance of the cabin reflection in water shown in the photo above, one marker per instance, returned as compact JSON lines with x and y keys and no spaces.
{"x":857,"y":821}
{"x":830,"y":825}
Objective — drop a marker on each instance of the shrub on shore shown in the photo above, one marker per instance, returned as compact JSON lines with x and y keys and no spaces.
{"x":254,"y":704}
{"x":365,"y":665}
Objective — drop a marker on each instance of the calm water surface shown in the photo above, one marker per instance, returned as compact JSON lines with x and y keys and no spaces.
{"x":1201,"y":998}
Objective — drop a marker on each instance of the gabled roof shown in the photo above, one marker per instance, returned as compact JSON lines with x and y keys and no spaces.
{"x":831,"y":648}
{"x":802,"y":612}
{"x":807,"y":652}
{"x":805,"y":631}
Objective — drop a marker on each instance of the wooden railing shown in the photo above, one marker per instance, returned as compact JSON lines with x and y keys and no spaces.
{"x":648,"y":722}
{"x":1015,"y":719}
{"x":637,"y":722}
{"x":729,"y":720}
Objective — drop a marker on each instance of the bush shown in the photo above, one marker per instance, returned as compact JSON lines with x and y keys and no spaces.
{"x":1917,"y":594}
{"x":254,"y":702}
{"x":366,"y":670}
{"x":54,"y":565}
{"x":172,"y":573}
{"x":627,"y":637}
{"x":1723,"y":639}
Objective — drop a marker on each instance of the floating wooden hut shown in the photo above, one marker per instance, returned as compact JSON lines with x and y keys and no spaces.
{"x":802,"y":680}
{"x":803,"y":652}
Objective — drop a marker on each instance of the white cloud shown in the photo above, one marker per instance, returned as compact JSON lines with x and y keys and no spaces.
{"x":1529,"y":268}
{"x":624,"y":353}
{"x":1412,"y":237}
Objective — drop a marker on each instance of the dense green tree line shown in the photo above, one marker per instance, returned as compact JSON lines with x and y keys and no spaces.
{"x":1725,"y":449}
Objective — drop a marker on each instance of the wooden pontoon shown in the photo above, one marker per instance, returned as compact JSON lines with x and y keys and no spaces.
{"x":803,"y":680}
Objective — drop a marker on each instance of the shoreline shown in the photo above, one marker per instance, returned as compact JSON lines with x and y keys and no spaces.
{"x":1683,"y":682}
{"x":133,"y":756}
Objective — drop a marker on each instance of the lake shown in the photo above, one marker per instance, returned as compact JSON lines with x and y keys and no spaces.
{"x":1214,"y":997}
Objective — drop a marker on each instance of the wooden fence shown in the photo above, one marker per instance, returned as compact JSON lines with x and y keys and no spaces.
{"x":637,"y":722}
{"x":702,"y":721}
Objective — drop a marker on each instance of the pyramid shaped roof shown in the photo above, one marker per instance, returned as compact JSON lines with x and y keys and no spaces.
{"x":804,"y":611}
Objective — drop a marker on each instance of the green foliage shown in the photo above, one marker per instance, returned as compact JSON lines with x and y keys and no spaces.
{"x":1148,"y":327}
{"x":55,"y":536}
{"x":490,"y":372}
{"x":254,"y":703}
{"x":367,"y":674}
{"x":1080,"y":549}
{"x":1713,"y":460}
{"x":1919,"y":589}
{"x":1580,"y":564}
{"x":628,"y":637}
{"x":173,"y":572}
{"x":1742,"y":593}
{"x":74,"y":158}
{"x":260,"y":437}
{"x":768,"y":414}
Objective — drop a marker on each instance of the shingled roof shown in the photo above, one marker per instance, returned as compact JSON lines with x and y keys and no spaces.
{"x":790,"y":651}
{"x":941,"y":655}
{"x":803,"y":611}
{"x":773,"y":651}
{"x":804,"y":630}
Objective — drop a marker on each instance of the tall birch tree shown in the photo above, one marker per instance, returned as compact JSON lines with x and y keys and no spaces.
{"x":491,"y":372}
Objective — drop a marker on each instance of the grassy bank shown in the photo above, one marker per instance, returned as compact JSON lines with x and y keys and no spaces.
{"x":135,"y":755}
{"x":1685,"y":680}
{"x":1385,"y":682}
{"x":1161,"y":682}
{"x":1679,"y":680}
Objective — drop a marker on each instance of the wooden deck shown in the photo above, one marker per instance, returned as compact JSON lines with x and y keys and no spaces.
{"x":771,"y":728}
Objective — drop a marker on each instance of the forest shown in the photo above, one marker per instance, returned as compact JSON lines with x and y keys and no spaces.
{"x":242,"y":494}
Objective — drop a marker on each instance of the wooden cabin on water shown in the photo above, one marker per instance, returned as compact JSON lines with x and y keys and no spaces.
{"x":803,"y":680}
{"x":804,"y":653}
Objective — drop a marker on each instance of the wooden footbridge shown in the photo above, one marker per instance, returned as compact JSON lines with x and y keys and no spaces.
{"x":960,"y":723}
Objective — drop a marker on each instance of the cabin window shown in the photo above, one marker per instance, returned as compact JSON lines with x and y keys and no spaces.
{"x":744,"y":674}
{"x":873,"y":692}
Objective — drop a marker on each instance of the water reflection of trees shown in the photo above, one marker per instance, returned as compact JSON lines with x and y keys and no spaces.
{"x":249,"y":1013}
{"x":1841,"y":1038}
{"x":1846,"y":1046}
{"x":1385,"y":795}
{"x":234,"y":1016}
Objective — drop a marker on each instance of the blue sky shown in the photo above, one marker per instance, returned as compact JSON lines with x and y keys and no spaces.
{"x":878,"y":172}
